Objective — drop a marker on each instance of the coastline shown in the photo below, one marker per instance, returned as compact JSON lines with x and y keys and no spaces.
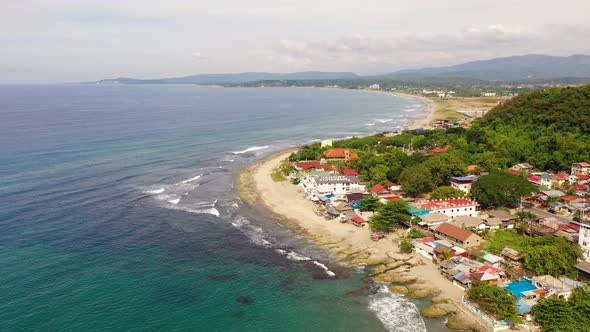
{"x":406,"y":274}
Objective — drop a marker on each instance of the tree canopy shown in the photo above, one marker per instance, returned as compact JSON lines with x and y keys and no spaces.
{"x":494,"y":300}
{"x":552,"y":255}
{"x":369,"y":203}
{"x":446,"y":192}
{"x":416,"y":180}
{"x":499,"y":188}
{"x":556,"y":314}
{"x":389,"y":215}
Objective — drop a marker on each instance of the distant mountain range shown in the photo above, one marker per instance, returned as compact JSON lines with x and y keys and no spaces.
{"x":515,"y":68}
{"x":236,"y":78}
{"x":525,"y":67}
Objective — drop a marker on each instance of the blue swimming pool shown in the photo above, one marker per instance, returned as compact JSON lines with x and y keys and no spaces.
{"x":518,"y":287}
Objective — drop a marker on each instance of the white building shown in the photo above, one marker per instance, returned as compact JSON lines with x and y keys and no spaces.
{"x":584,"y":240}
{"x":451,"y":207}
{"x":337,"y":185}
{"x":374,"y":87}
{"x":463,"y":183}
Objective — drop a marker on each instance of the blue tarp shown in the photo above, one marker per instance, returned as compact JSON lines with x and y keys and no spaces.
{"x":518,"y":287}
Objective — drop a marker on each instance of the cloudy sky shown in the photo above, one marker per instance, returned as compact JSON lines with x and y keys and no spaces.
{"x":78,"y":40}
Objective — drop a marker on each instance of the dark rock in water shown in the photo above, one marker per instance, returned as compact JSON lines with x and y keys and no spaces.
{"x":288,"y":282}
{"x":238,"y":314}
{"x":319,"y":275}
{"x":222,"y":277}
{"x":245,"y":300}
{"x":354,"y":293}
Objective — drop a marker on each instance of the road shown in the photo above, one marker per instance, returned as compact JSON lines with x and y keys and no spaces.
{"x":543,"y":213}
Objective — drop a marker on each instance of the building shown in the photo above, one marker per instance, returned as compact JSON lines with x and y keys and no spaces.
{"x":451,"y":207}
{"x":522,"y":167}
{"x":553,"y":285}
{"x":457,"y":235}
{"x":463,"y":183}
{"x":584,"y":239}
{"x":338,"y":185}
{"x":307,"y":165}
{"x":379,"y":189}
{"x":433,"y":219}
{"x":581,"y":168}
{"x":468,"y":222}
{"x":501,"y":218}
{"x":339,"y":154}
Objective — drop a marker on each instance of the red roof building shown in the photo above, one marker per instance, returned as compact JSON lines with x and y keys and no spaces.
{"x":329,"y":168}
{"x":579,"y":187}
{"x":562,"y":176}
{"x":439,"y":150}
{"x":307,"y":165}
{"x":350,"y":171}
{"x":358,"y":220}
{"x":379,"y":189}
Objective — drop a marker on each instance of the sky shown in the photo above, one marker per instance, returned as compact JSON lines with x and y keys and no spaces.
{"x":46,"y":41}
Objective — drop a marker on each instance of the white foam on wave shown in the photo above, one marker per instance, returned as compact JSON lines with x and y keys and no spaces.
{"x":325,"y":268}
{"x":154,"y":191}
{"x":250,"y":149}
{"x":174,"y":201}
{"x":369,"y":124}
{"x":410,"y":110}
{"x":254,"y":233}
{"x":291,"y":255}
{"x":383,"y":120}
{"x":191,"y":179}
{"x":396,"y":312}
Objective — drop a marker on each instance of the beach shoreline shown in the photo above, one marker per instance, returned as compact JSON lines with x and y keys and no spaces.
{"x":408,"y":274}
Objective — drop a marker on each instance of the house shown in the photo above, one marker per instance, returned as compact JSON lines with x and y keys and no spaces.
{"x":581,"y":168}
{"x":560,"y":178}
{"x":501,"y":218}
{"x":584,"y":268}
{"x":584,"y":239}
{"x":358,"y":221}
{"x":349,"y":171}
{"x":433,"y":219}
{"x":468,"y":222}
{"x":379,"y":189}
{"x":451,"y":207}
{"x":354,"y":197}
{"x":526,"y":167}
{"x":493,"y":260}
{"x":463,"y":183}
{"x":485,"y":277}
{"x":457,"y":235}
{"x":339,"y":154}
{"x":307,"y":165}
{"x":553,"y":285}
{"x":541,"y":179}
{"x":393,"y":186}
{"x":511,"y":254}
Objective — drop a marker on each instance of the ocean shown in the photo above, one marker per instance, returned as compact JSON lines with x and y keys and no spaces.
{"x":118,"y":211}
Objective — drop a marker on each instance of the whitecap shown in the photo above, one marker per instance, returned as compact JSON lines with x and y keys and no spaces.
{"x":325,"y":268}
{"x":297,"y":257}
{"x":396,"y":312}
{"x":250,"y":149}
{"x":383,"y":120}
{"x":154,"y":191}
{"x":191,"y":179}
{"x":174,"y":201}
{"x":369,"y":124}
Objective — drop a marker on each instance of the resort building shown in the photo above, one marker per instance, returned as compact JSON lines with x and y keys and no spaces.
{"x":581,"y":168}
{"x":338,"y":185}
{"x":457,"y":235}
{"x":339,"y":154}
{"x":451,"y":207}
{"x":463,"y":183}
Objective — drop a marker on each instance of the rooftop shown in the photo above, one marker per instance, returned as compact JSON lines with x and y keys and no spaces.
{"x":454,"y":232}
{"x":446,"y":203}
{"x":336,"y":179}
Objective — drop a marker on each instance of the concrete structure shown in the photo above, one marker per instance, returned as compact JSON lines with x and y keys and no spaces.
{"x":581,"y":168}
{"x":584,"y":239}
{"x":553,"y":285}
{"x":433,"y":219}
{"x":451,"y":207}
{"x":463,"y":183}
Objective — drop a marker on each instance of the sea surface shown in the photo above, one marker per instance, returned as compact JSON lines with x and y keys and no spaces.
{"x":118,"y":211}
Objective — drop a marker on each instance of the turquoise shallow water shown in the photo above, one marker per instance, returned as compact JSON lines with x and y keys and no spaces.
{"x":118,"y":211}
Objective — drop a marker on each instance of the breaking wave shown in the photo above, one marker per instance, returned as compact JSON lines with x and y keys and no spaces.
{"x":154,"y":191}
{"x":396,"y":312}
{"x":254,"y":148}
{"x":191,"y":179}
{"x":325,"y":268}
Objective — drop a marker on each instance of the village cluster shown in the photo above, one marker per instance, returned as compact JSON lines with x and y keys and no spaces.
{"x":453,"y":227}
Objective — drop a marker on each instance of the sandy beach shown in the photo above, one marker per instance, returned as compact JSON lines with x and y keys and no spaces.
{"x":409,"y":274}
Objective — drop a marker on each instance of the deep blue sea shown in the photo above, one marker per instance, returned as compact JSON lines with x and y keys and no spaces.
{"x":118,"y":211}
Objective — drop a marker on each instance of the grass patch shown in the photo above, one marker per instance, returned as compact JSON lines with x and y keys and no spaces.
{"x":506,"y":238}
{"x":277,"y":176}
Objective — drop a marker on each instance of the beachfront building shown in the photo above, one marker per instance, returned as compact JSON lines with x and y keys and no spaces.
{"x":433,"y":219}
{"x":339,"y":154}
{"x":581,"y":168}
{"x":457,"y":235}
{"x":463,"y":183}
{"x":451,"y":207}
{"x":584,"y":239}
{"x":336,"y":185}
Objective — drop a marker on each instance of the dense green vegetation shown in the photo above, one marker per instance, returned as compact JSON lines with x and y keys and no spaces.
{"x":369,"y":203}
{"x":389,"y":216}
{"x":499,"y":188}
{"x":445,"y":192}
{"x":494,"y":300}
{"x":542,"y":255}
{"x":556,"y":314}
